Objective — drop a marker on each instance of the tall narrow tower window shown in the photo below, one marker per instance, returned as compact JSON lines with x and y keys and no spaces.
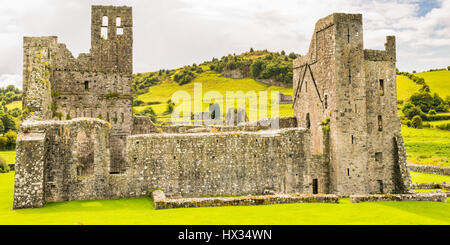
{"x":326,"y":101}
{"x":105,"y":21}
{"x":86,"y":86}
{"x":349,"y":75}
{"x":380,"y":123}
{"x":118,"y":21}
{"x":381,"y":87}
{"x":308,"y":121}
{"x":104,"y":33}
{"x":348,"y":34}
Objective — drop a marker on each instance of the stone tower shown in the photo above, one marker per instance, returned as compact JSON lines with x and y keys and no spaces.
{"x":346,"y":96}
{"x":96,"y":84}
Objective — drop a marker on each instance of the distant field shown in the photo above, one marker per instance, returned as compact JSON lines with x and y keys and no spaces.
{"x":14,"y":104}
{"x":405,"y":87}
{"x":426,"y":178}
{"x":9,"y":156}
{"x":439,"y":81}
{"x":212,"y":81}
{"x":427,"y":146}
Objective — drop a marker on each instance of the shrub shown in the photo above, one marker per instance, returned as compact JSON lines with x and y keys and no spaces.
{"x":414,"y":111}
{"x":137,"y":102}
{"x":4,"y":167}
{"x":11,"y":137}
{"x":444,"y":126}
{"x":409,"y":123}
{"x":432,"y":112}
{"x":416,"y":122}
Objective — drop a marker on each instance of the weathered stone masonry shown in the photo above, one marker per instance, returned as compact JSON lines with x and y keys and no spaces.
{"x":348,"y":142}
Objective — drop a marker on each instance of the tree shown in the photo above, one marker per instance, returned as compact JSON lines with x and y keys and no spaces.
{"x":423,"y":100}
{"x":8,"y":122}
{"x":251,"y":50}
{"x":2,"y":128}
{"x":11,"y":138}
{"x":283,"y":53}
{"x":292,"y":55}
{"x":416,"y":122}
{"x":257,"y":67}
{"x":414,"y":111}
{"x":3,"y":142}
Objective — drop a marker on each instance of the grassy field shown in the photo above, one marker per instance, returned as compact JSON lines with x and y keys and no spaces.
{"x":427,"y":146}
{"x":14,"y":104}
{"x":212,"y":81}
{"x":9,"y":156}
{"x":426,"y":178}
{"x":439,"y":81}
{"x":405,"y":87}
{"x":141,"y":211}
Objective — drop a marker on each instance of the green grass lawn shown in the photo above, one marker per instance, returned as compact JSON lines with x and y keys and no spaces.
{"x":9,"y":156}
{"x":14,"y":104}
{"x":427,"y":146}
{"x":426,"y":178}
{"x":141,"y":211}
{"x":439,"y":81}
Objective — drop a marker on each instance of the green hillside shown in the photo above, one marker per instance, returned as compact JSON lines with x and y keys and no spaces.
{"x":405,"y":87}
{"x":439,"y":81}
{"x":159,"y":94}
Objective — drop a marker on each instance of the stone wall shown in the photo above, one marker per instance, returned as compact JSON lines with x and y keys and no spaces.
{"x":221,"y":164}
{"x":161,"y":202}
{"x":143,"y":125}
{"x":429,"y":169}
{"x":60,"y":161}
{"x":350,"y":93}
{"x":430,"y":197}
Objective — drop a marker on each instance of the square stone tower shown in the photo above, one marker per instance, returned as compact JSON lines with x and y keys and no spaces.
{"x":346,"y":96}
{"x":97,"y":84}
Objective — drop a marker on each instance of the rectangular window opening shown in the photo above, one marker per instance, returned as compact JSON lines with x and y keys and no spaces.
{"x":118,"y":21}
{"x":315,"y":186}
{"x":379,"y":157}
{"x":86,"y":86}
{"x":380,"y":123}
{"x":104,"y":33}
{"x":381,"y":87}
{"x":380,"y":184}
{"x":105,"y":21}
{"x":119,"y":31}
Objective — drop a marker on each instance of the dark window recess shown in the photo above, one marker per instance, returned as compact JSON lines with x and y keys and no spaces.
{"x":348,"y":172}
{"x":308,"y":121}
{"x":379,"y":156}
{"x":349,"y":75}
{"x":353,"y":139}
{"x":381,"y":87}
{"x":380,"y":123}
{"x":380,"y":184}
{"x":86,"y":86}
{"x":348,"y":34}
{"x":315,"y":186}
{"x":326,"y":101}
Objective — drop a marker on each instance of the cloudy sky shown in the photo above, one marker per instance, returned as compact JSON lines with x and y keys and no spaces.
{"x":173,"y":33}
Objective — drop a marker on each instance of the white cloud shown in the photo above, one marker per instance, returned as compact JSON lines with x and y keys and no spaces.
{"x":169,"y":34}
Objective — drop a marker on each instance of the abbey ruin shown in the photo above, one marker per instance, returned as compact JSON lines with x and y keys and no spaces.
{"x":80,"y":141}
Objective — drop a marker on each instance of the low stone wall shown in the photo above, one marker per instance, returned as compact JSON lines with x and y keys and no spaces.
{"x":143,"y":125}
{"x":431,"y":197}
{"x":161,"y":202}
{"x":431,"y":185}
{"x":429,"y":169}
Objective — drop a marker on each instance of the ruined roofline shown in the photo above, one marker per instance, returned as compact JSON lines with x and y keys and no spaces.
{"x":264,"y":133}
{"x":110,"y":6}
{"x":388,"y":54}
{"x":31,"y":124}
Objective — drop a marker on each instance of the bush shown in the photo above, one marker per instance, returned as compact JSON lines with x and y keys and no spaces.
{"x":432,"y":112}
{"x":414,"y":111}
{"x":416,"y":122}
{"x":409,"y":123}
{"x":137,"y":102}
{"x":444,"y":126}
{"x":4,"y":167}
{"x":11,"y":137}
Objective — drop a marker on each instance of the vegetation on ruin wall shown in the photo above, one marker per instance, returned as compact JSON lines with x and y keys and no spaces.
{"x":140,"y":211}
